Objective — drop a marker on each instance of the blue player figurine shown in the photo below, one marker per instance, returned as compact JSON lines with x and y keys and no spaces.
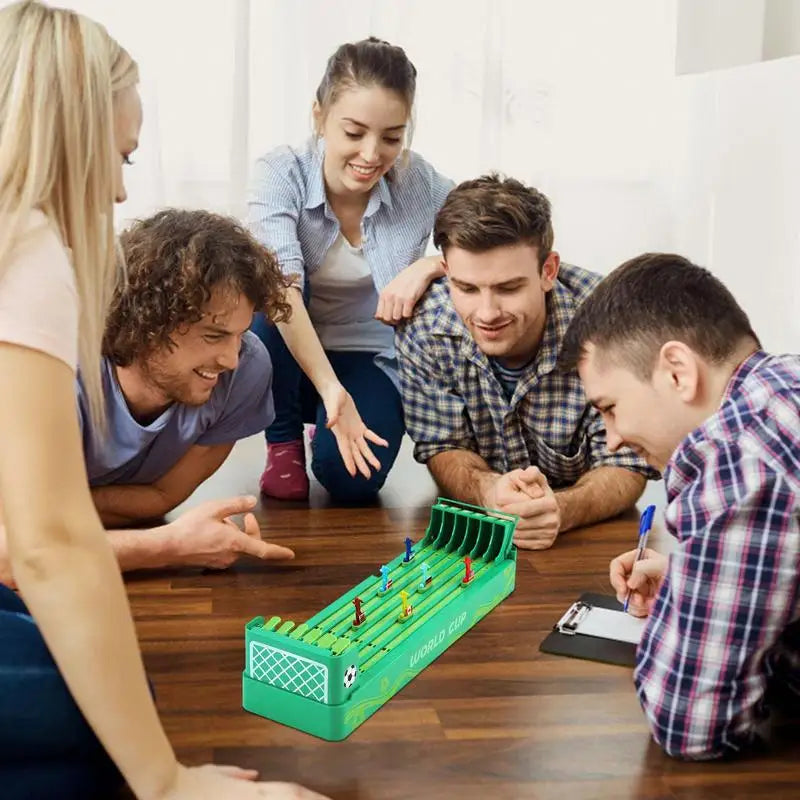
{"x":386,"y":581}
{"x":409,"y":551}
{"x":426,"y":579}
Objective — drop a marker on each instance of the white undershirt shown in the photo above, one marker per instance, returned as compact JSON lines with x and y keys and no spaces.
{"x":344,"y":300}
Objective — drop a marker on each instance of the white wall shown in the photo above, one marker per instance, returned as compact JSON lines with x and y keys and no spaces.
{"x":192,"y":134}
{"x":567,"y":96}
{"x":715,"y":34}
{"x":781,"y":28}
{"x":736,"y":188}
{"x":578,"y":97}
{"x":718,"y":34}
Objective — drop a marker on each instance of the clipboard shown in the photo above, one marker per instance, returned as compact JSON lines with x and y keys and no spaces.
{"x":567,"y":638}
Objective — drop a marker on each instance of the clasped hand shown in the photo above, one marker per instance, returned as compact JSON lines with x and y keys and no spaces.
{"x":526,"y":493}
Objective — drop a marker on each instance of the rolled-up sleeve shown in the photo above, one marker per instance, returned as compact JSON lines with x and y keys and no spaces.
{"x":273,"y":209}
{"x":435,"y":414}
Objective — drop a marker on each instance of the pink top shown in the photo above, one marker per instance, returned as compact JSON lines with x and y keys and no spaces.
{"x":38,"y":296}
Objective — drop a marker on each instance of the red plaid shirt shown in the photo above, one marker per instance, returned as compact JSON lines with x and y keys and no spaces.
{"x":726,"y":622}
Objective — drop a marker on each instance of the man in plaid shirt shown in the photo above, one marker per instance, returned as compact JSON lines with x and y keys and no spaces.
{"x":672,"y":363}
{"x":495,"y":421}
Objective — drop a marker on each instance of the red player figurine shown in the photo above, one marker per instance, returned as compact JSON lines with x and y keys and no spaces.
{"x":467,"y":570}
{"x":360,"y":615}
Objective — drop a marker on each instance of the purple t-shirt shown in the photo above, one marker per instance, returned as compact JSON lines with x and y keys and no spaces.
{"x":240,"y":405}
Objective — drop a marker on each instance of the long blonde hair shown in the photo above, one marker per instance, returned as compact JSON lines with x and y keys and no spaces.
{"x":59,"y":72}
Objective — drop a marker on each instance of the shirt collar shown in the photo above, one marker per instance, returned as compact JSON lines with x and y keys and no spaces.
{"x":560,"y":308}
{"x":741,"y":372}
{"x":317,"y":197}
{"x":674,"y":478}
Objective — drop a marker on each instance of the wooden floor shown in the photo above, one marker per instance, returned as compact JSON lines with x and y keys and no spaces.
{"x":491,"y":719}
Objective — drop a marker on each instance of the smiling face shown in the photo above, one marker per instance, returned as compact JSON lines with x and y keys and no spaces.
{"x":500,"y":296}
{"x":363,"y":131}
{"x":188,"y":372}
{"x":652,"y":416}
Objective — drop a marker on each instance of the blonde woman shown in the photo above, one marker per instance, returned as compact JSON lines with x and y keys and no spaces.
{"x":72,"y":683}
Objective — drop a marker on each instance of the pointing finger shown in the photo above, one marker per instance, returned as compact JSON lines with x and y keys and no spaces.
{"x":261,"y":549}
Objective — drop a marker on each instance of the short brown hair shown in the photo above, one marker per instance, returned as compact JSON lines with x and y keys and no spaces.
{"x":650,"y":300}
{"x":175,"y":259}
{"x":490,"y":212}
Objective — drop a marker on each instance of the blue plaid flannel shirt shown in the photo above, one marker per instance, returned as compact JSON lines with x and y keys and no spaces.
{"x":452,"y":399}
{"x":725,"y":626}
{"x":288,"y":212}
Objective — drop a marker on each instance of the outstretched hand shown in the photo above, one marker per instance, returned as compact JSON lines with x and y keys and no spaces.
{"x":350,"y":431}
{"x":205,"y":536}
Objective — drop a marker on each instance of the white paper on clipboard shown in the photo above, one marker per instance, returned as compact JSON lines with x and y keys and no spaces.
{"x":602,"y":623}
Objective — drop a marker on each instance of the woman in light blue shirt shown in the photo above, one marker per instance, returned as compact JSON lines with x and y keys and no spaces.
{"x":349,"y":216}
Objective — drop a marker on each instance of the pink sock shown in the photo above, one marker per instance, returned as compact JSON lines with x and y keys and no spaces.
{"x":285,"y":475}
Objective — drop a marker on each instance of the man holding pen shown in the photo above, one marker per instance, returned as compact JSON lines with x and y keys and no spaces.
{"x":671,"y":362}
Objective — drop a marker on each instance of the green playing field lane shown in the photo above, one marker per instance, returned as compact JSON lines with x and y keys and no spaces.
{"x":342,"y":613}
{"x":375,"y":634}
{"x":426,"y":607}
{"x":382,"y":610}
{"x":446,"y":570}
{"x":375,"y":606}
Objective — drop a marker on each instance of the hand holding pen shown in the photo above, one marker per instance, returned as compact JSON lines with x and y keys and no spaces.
{"x":645,"y":523}
{"x":636,"y":575}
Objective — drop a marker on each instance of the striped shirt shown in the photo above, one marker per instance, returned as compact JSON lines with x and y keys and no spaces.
{"x":289,"y":213}
{"x":725,"y":627}
{"x":453,"y":399}
{"x":509,"y":377}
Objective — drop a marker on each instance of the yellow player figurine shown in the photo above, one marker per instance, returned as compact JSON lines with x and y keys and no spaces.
{"x":408,"y":609}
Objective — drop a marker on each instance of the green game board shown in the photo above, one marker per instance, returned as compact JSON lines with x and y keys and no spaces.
{"x":327,"y":676}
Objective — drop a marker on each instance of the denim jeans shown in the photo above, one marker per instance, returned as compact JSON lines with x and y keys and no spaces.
{"x":296,"y":401}
{"x":47,"y":749}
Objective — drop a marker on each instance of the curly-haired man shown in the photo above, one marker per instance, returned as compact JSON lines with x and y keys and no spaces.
{"x":184,"y":379}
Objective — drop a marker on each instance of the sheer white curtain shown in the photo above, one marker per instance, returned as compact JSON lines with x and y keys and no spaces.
{"x":565,"y":95}
{"x":569,"y":96}
{"x":193,"y":59}
{"x":577,"y":97}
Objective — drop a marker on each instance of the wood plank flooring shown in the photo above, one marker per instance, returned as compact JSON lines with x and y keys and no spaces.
{"x":491,"y":719}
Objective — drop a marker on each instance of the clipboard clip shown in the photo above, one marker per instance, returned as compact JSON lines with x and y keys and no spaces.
{"x":577,"y":612}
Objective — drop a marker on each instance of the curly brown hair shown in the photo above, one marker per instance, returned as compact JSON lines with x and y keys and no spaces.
{"x":175,"y":259}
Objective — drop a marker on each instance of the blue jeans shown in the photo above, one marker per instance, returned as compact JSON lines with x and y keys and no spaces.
{"x":296,"y":401}
{"x":47,"y":749}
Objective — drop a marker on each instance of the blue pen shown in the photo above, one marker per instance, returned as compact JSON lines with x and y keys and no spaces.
{"x":645,"y":523}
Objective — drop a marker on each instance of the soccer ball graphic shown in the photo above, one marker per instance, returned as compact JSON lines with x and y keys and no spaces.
{"x":350,"y":675}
